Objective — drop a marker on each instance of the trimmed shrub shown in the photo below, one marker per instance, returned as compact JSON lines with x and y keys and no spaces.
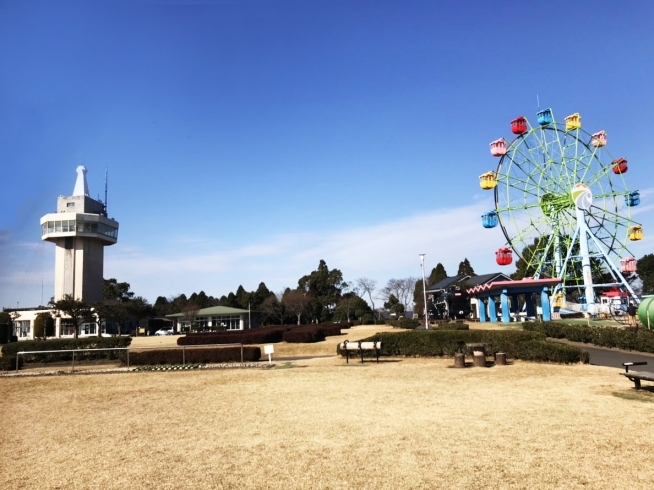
{"x":451,"y":326}
{"x":5,"y":333}
{"x":303,"y":336}
{"x":408,"y":323}
{"x":515,"y":343}
{"x":211,"y":355}
{"x":267,"y":335}
{"x":545,"y":351}
{"x":258,"y":336}
{"x":641,"y":340}
{"x":328,"y":330}
{"x":10,"y":350}
{"x":9,"y":363}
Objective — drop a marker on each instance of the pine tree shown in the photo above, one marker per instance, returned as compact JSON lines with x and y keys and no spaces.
{"x":466,"y":269}
{"x":438,"y":273}
{"x":645,"y":269}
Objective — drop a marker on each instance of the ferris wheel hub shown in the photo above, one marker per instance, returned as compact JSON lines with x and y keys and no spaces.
{"x":582,"y":196}
{"x":552,"y":204}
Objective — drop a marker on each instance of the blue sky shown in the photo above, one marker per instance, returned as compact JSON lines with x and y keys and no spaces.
{"x":245,"y":141}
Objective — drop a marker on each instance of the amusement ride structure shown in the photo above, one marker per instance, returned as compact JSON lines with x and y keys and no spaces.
{"x":563,"y":205}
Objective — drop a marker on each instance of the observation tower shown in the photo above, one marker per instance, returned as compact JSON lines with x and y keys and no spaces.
{"x":80,"y":229}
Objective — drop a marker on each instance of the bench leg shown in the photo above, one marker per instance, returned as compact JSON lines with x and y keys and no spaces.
{"x":361,"y":355}
{"x":637,"y":383}
{"x":377,"y":351}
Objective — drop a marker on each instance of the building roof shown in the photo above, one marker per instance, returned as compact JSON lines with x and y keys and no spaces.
{"x":448,"y":281}
{"x":469,"y":280}
{"x":515,"y":285}
{"x":213,"y":310}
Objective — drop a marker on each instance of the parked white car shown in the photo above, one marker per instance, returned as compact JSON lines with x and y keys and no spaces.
{"x":164,"y":331}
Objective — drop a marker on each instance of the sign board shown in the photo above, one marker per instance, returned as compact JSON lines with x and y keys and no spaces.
{"x":268,"y":349}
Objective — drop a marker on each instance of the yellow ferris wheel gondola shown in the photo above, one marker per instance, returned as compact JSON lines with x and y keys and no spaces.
{"x":488,"y":180}
{"x":635,"y":233}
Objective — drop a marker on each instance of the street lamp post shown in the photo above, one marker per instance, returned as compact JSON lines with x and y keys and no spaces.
{"x":424,"y":289}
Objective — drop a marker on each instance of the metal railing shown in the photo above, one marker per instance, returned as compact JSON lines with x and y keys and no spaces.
{"x":127,"y":349}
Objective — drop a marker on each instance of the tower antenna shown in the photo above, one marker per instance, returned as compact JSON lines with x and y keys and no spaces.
{"x":106,"y":188}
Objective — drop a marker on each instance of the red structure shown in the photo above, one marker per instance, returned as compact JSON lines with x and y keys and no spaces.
{"x":619,"y":166}
{"x":504,"y":256}
{"x":628,"y":264}
{"x":519,"y":125}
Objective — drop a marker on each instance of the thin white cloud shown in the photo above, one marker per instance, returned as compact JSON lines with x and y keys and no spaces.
{"x":380,"y":251}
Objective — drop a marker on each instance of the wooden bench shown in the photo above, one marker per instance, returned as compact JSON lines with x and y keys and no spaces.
{"x":360,"y":346}
{"x":637,"y":376}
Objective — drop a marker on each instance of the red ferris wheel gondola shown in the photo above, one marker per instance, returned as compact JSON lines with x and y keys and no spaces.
{"x":504,"y":256}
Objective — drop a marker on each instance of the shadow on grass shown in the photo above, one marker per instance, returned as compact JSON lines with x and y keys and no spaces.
{"x":288,"y":365}
{"x":489,"y":364}
{"x":645,"y":394}
{"x":366,"y":363}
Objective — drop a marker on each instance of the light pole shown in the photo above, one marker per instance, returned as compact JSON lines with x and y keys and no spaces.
{"x":424,"y":289}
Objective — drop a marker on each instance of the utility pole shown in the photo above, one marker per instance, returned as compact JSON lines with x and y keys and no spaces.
{"x":424,"y":289}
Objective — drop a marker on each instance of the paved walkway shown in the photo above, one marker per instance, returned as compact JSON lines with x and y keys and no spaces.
{"x":603,"y":356}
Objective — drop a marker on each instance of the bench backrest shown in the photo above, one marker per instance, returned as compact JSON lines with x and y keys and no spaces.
{"x":360,"y":345}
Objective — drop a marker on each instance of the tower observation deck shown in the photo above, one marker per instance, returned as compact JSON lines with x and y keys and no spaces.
{"x":80,"y":229}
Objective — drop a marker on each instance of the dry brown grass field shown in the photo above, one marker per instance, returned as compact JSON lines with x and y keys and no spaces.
{"x":400,"y":424}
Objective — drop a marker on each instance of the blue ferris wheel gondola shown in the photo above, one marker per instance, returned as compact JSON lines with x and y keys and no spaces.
{"x":632,"y":199}
{"x":489,"y":219}
{"x":545,"y":117}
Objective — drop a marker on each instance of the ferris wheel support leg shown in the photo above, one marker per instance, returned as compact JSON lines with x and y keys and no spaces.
{"x":585,"y":261}
{"x":614,"y":269}
{"x":560,"y":286}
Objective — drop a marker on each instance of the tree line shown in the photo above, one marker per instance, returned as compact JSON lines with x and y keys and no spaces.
{"x":322,"y":295}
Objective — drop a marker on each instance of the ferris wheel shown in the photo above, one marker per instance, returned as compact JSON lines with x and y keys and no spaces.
{"x":563,"y":205}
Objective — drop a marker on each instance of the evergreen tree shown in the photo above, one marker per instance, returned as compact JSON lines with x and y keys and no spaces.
{"x":466,"y":269}
{"x":645,"y":269}
{"x":324,"y":287}
{"x":419,"y":299}
{"x":437,"y":274}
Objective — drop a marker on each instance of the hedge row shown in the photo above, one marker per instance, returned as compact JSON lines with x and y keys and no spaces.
{"x":10,"y":350}
{"x":9,"y":363}
{"x":516,"y":344}
{"x":337,"y":327}
{"x":302,"y":336}
{"x":412,"y":324}
{"x":623,"y":338}
{"x":451,"y":326}
{"x":193,"y":356}
{"x":408,"y":323}
{"x":268,"y":335}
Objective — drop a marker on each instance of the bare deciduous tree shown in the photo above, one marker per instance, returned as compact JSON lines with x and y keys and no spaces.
{"x":296,"y":302}
{"x":189,"y":312}
{"x":367,"y":286}
{"x":273,"y":305}
{"x":402,"y":289}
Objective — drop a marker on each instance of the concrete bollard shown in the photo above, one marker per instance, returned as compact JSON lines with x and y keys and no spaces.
{"x":479,"y":359}
{"x":459,"y":360}
{"x":500,"y":359}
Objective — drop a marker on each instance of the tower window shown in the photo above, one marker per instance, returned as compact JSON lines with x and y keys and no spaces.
{"x":70,"y":204}
{"x":68,"y":244}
